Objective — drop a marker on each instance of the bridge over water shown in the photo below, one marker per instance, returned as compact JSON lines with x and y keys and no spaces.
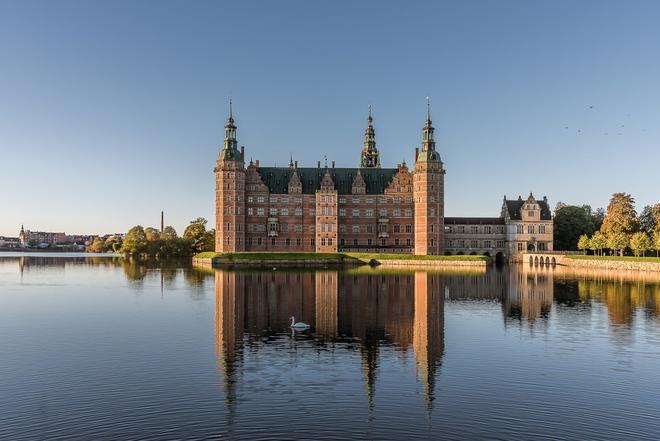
{"x":547,"y":257}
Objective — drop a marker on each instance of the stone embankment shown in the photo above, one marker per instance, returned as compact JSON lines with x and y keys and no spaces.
{"x":627,"y":265}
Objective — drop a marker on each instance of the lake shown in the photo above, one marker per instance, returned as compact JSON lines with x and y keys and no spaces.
{"x":102,"y":348}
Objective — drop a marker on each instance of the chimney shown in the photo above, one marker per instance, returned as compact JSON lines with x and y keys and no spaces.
{"x":162,"y":221}
{"x":318,"y":164}
{"x":333,"y":164}
{"x":242,"y":152}
{"x":416,"y":153}
{"x":295,"y":164}
{"x":256,"y":163}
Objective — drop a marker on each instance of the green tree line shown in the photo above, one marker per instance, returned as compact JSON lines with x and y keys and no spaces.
{"x":143,"y":242}
{"x":615,"y":231}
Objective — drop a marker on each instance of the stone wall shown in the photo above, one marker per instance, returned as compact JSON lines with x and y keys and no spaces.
{"x":611,"y":264}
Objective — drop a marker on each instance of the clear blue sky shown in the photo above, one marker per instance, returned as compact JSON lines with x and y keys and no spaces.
{"x":112,"y":111}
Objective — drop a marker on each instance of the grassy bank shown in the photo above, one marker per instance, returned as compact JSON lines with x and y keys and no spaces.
{"x":328,"y":257}
{"x":616,"y":258}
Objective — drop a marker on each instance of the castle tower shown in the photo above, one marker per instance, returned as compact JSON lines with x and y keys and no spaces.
{"x":230,"y":193}
{"x":326,"y":216}
{"x":369,"y":157}
{"x":429,"y":194}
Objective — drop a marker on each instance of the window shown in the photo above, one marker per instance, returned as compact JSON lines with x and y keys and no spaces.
{"x":287,"y":242}
{"x":369,"y":242}
{"x":432,"y":214}
{"x":530,"y":229}
{"x":487,"y":229}
{"x":397,"y":200}
{"x":261,"y":199}
{"x":355,"y":200}
{"x":408,"y":212}
{"x":355,"y":212}
{"x":369,"y":212}
{"x":409,"y":228}
{"x":520,"y":246}
{"x":383,"y":242}
{"x":474,"y":244}
{"x":285,"y":211}
{"x":329,"y":241}
{"x":530,"y":213}
{"x":273,"y":199}
{"x":323,"y":241}
{"x":284,"y":228}
{"x":298,"y":211}
{"x":461,"y":228}
{"x":542,"y":246}
{"x":474,"y":229}
{"x":370,"y":228}
{"x":312,"y":228}
{"x":396,"y":242}
{"x":312,"y":212}
{"x":499,"y":244}
{"x":285,"y":200}
{"x":261,"y":211}
{"x":382,"y":212}
{"x":432,"y":227}
{"x":341,"y":242}
{"x":329,"y":228}
{"x":487,"y":244}
{"x":355,"y":228}
{"x":258,"y":241}
{"x":541,"y":229}
{"x":408,"y":242}
{"x":273,"y":211}
{"x":249,"y":199}
{"x":249,"y":211}
{"x":299,"y":228}
{"x":355,"y":242}
{"x":342,"y":212}
{"x":396,"y":212}
{"x":342,"y":228}
{"x":519,"y":229}
{"x":272,"y":241}
{"x":369,"y":200}
{"x":298,"y":242}
{"x":312,"y":242}
{"x":397,"y":228}
{"x":342,"y":200}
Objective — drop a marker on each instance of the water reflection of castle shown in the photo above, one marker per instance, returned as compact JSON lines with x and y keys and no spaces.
{"x":404,"y":311}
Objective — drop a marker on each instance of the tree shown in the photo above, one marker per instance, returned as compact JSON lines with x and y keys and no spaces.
{"x":621,"y":216}
{"x":570,"y":223}
{"x":583,"y":243}
{"x":598,"y":242}
{"x":113,"y":244}
{"x":640,"y":243}
{"x":649,"y":219}
{"x":656,"y":242}
{"x":135,"y":242}
{"x":196,"y":235}
{"x":598,"y":217}
{"x":618,"y":242}
{"x":97,"y":246}
{"x":152,"y":234}
{"x":171,"y":244}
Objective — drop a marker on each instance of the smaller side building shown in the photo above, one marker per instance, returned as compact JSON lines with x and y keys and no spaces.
{"x":523,"y":225}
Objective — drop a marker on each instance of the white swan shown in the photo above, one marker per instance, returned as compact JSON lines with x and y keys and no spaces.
{"x":299,"y":325}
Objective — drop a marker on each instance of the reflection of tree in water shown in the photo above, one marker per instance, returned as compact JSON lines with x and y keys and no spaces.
{"x":529,"y":295}
{"x":134,"y":269}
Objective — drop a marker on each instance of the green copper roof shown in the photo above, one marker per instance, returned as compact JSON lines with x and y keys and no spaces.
{"x":376,"y":179}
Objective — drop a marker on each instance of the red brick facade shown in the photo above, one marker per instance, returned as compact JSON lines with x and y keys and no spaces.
{"x":328,"y":209}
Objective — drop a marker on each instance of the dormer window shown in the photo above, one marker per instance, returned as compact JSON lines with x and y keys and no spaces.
{"x":530,"y":213}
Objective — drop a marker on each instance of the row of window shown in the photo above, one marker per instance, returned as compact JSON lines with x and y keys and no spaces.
{"x":325,"y":241}
{"x":474,"y":243}
{"x":330,"y":199}
{"x":325,"y":227}
{"x":324,"y":211}
{"x":520,"y":229}
{"x":475,"y":229}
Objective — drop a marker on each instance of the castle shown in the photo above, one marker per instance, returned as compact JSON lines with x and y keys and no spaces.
{"x":362,"y":209}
